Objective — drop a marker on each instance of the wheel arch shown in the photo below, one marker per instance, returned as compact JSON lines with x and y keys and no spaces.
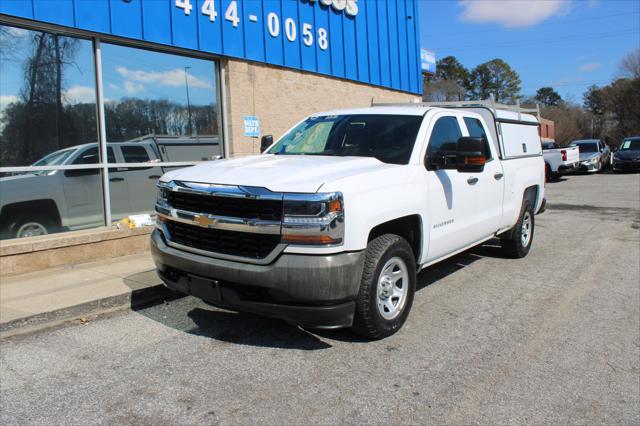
{"x":42,"y":207}
{"x":408,"y":227}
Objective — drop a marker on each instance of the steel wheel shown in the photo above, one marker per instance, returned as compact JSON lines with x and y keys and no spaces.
{"x":525,"y":234}
{"x":392,"y":288}
{"x":31,"y":229}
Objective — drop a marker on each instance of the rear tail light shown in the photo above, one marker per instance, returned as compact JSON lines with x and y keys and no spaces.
{"x":564,"y":154}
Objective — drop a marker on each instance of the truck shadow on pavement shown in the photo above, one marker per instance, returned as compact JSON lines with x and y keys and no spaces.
{"x":191,"y":315}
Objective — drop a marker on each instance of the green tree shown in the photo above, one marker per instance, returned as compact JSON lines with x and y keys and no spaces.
{"x":622,"y":106}
{"x":593,"y":100}
{"x":449,"y":82}
{"x":548,"y":97}
{"x":494,"y":77}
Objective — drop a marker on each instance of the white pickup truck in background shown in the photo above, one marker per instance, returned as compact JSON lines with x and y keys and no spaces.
{"x":559,"y":160}
{"x":330,"y":226}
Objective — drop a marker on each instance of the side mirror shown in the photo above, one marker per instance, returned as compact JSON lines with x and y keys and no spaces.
{"x":470,"y":155}
{"x":265,"y":142}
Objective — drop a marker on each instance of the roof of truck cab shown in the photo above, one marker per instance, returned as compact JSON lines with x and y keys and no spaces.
{"x":419,"y":109}
{"x":391,"y":110}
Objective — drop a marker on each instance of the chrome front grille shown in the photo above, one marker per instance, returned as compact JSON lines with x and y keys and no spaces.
{"x":242,"y":244}
{"x":246,"y":208}
{"x":222,"y":221}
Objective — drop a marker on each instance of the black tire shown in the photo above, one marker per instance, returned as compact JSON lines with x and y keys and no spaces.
{"x":514,"y":244}
{"x":547,"y":172}
{"x":368,"y":320}
{"x":17,"y":227}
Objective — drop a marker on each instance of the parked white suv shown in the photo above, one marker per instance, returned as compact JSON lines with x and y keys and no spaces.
{"x":330,"y":226}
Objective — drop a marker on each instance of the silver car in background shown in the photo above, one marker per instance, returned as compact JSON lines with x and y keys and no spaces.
{"x":595,"y":155}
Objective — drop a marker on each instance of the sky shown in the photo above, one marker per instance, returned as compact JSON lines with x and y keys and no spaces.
{"x":565,"y":44}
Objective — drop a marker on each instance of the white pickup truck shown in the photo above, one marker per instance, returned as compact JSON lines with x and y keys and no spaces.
{"x":329,"y":227}
{"x":560,"y":160}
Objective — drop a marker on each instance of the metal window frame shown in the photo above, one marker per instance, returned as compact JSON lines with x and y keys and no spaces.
{"x":219,"y":74}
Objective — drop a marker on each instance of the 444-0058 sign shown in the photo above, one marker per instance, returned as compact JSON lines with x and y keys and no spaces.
{"x":273,"y":20}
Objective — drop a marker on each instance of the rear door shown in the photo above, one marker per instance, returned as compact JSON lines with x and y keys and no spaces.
{"x":489,"y":187}
{"x":451,"y":209}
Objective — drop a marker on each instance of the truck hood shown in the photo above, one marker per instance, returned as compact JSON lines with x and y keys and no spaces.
{"x":279,"y":173}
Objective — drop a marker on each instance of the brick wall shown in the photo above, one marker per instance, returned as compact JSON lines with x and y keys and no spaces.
{"x":282,"y":97}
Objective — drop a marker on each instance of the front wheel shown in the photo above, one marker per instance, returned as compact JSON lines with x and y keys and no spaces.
{"x":32,"y":225}
{"x":387,"y":287}
{"x":517,"y":242}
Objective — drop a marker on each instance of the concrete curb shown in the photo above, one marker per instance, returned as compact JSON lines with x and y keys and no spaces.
{"x":134,"y":300}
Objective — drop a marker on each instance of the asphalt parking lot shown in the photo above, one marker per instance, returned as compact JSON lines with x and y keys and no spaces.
{"x":552,"y":338}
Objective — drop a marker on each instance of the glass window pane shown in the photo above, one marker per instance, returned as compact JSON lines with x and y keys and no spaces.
{"x":476,"y":130}
{"x":87,"y":156}
{"x":164,"y":100}
{"x":50,"y":201}
{"x":444,"y":136}
{"x":47,"y":97}
{"x":159,"y":107}
{"x":135,"y":154}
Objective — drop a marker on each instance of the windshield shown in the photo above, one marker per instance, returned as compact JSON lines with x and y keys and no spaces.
{"x":389,"y":138}
{"x":586,"y":146}
{"x":630,"y":145}
{"x":549,"y":145}
{"x":55,"y":158}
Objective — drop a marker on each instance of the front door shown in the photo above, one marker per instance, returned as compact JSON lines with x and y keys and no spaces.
{"x":452,"y":195}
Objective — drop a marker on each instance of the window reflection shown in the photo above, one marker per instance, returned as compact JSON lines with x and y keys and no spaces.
{"x":159,"y":108}
{"x":47,"y":95}
{"x":152,"y":95}
{"x":50,"y":201}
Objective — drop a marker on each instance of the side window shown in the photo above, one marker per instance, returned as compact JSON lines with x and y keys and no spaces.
{"x":134,"y":154}
{"x":444,"y":136}
{"x":476,"y":130}
{"x":88,"y":156}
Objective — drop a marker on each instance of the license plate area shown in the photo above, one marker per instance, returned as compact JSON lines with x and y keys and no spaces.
{"x":204,"y":288}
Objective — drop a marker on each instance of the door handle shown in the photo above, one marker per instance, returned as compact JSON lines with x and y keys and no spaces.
{"x":472,"y":180}
{"x":116,"y":179}
{"x":498,"y":176}
{"x":154,"y":177}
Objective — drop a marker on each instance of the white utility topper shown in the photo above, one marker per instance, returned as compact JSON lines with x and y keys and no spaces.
{"x":329,"y":227}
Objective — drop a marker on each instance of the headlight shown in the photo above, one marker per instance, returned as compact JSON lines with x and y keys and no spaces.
{"x":313,"y":219}
{"x":162,"y":204}
{"x":592,"y":160}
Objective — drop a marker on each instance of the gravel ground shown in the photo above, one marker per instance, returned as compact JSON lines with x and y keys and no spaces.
{"x":552,"y":338}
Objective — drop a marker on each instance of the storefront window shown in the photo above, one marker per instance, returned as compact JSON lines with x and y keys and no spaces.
{"x":160,"y":113}
{"x":47,"y":95}
{"x":47,"y":119}
{"x":163,"y":99}
{"x":160,"y":108}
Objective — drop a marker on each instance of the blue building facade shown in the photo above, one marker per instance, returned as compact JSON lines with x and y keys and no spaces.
{"x":370,"y":41}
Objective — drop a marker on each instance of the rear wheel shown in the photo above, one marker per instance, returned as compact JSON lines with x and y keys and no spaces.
{"x":387,"y":287}
{"x":517,"y":242}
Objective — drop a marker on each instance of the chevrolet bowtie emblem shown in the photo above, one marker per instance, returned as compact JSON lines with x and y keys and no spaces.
{"x":204,"y":220}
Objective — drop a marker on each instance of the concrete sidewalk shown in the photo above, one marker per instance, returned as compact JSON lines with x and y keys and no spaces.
{"x":39,"y":299}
